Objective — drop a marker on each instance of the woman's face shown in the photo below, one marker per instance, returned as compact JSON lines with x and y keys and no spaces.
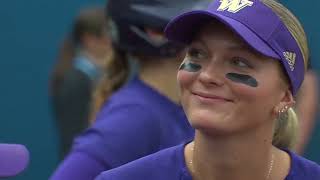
{"x":226,"y":86}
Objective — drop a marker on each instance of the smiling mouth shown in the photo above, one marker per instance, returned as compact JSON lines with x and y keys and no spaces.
{"x":209,"y":97}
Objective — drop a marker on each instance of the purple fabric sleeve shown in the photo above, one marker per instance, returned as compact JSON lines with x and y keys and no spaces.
{"x":136,"y":121}
{"x":111,"y":140}
{"x":122,"y":133}
{"x":78,"y":166}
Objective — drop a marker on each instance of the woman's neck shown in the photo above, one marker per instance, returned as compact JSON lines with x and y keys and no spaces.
{"x":161,"y":75}
{"x":233,"y":158}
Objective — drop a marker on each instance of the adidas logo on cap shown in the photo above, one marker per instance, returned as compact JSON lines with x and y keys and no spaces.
{"x":291,"y":59}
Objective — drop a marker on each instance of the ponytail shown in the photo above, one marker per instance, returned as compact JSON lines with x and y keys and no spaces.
{"x":286,"y":130}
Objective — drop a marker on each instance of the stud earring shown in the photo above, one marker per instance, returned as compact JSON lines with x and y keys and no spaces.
{"x":284,"y":109}
{"x":282,"y":114}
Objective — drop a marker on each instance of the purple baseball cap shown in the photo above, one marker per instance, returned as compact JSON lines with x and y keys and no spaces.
{"x":14,"y":158}
{"x":255,"y":23}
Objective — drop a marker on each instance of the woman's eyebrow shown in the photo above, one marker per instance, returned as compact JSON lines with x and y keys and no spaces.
{"x":200,"y":41}
{"x":245,"y":48}
{"x":231,"y":46}
{"x":237,"y":46}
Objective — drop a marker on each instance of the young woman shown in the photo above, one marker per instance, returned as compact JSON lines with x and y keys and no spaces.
{"x":81,"y":62}
{"x":142,"y":96}
{"x":244,"y":65}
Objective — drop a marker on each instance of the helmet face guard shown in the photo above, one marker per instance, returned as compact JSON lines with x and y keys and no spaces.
{"x":131,"y":18}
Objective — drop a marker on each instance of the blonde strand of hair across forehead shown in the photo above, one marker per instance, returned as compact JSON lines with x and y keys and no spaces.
{"x":293,"y":25}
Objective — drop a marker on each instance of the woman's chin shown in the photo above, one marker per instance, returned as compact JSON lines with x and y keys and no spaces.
{"x":214,"y":125}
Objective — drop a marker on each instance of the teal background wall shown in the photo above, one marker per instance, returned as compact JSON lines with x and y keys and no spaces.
{"x":30,"y":33}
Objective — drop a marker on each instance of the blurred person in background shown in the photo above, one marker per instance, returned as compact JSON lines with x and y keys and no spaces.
{"x":137,"y":101}
{"x":83,"y":56}
{"x":306,"y":107}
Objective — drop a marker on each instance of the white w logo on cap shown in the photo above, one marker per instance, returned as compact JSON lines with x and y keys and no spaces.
{"x":234,"y":5}
{"x":291,"y":58}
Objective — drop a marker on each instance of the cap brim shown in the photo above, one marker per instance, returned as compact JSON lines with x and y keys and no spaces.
{"x":14,"y":158}
{"x":184,"y":27}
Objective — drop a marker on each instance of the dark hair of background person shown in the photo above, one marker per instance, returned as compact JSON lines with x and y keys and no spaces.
{"x":70,"y":89}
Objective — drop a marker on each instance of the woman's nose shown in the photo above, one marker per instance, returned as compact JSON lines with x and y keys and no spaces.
{"x":212,"y":74}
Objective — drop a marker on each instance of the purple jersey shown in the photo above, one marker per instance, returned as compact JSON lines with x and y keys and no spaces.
{"x":135,"y":122}
{"x":169,"y":164}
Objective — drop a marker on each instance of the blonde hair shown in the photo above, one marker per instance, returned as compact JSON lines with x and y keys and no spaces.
{"x":116,"y":74}
{"x":286,"y":127}
{"x":286,"y":130}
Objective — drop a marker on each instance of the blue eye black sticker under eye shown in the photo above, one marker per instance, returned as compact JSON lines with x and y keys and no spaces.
{"x":242,"y":78}
{"x":189,"y":66}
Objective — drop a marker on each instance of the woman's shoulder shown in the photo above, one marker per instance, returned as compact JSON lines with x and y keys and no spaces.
{"x":138,"y":94}
{"x":132,"y":92}
{"x":302,"y":168}
{"x":129,"y":98}
{"x":165,"y":164}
